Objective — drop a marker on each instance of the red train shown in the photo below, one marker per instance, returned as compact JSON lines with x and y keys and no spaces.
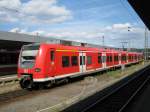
{"x":47,"y":63}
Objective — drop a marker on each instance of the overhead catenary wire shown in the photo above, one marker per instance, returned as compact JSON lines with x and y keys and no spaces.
{"x":128,"y":11}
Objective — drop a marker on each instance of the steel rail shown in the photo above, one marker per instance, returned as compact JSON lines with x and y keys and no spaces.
{"x":4,"y":80}
{"x":109,"y":96}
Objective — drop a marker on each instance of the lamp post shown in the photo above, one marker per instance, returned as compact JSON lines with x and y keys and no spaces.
{"x":129,"y":43}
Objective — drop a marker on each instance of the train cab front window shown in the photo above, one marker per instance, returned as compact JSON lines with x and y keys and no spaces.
{"x":30,"y":47}
{"x":28,"y":55}
{"x":27,"y":61}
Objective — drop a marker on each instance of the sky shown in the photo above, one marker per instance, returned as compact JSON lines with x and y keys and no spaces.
{"x":78,"y":20}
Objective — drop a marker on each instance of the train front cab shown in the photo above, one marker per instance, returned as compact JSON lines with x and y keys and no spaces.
{"x":33,"y":65}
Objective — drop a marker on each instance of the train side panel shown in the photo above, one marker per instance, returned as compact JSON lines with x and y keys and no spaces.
{"x":67,"y":62}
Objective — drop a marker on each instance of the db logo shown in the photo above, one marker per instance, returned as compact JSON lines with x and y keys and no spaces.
{"x":25,"y":70}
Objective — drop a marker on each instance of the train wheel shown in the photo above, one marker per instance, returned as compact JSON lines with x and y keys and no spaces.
{"x":25,"y":83}
{"x":66,"y":80}
{"x":41,"y":86}
{"x":48,"y":85}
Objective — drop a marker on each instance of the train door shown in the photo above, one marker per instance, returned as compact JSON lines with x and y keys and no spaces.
{"x":51,"y":65}
{"x":127,"y":57}
{"x":104,"y":60}
{"x":119,"y":58}
{"x":82,"y":62}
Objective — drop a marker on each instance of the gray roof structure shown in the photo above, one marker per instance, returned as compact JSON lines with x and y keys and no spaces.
{"x":14,"y":40}
{"x":11,"y":41}
{"x":19,"y":38}
{"x":11,"y":36}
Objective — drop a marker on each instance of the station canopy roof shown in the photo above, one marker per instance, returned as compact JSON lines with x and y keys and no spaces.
{"x":142,"y":8}
{"x":12,"y":40}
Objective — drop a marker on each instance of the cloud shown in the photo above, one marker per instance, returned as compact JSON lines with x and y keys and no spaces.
{"x":10,"y":4}
{"x":25,"y":31}
{"x":18,"y":30}
{"x":121,"y":26}
{"x":33,"y":11}
{"x":124,"y":32}
{"x":113,"y":35}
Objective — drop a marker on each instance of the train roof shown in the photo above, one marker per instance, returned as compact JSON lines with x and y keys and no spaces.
{"x":82,"y":48}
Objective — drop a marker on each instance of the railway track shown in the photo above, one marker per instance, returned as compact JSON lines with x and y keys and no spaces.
{"x":9,"y":78}
{"x":116,"y":98}
{"x":19,"y":94}
{"x":12,"y":95}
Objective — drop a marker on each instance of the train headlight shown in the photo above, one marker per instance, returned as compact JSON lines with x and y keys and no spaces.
{"x":37,"y":69}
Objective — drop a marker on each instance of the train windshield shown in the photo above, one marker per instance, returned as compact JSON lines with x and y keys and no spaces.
{"x":28,"y":56}
{"x":31,"y":47}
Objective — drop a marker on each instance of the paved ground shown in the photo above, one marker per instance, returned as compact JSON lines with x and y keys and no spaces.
{"x":47,"y":98}
{"x":8,"y":87}
{"x":142,"y":103}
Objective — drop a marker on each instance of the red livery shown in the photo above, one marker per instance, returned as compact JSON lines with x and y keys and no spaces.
{"x":46,"y":63}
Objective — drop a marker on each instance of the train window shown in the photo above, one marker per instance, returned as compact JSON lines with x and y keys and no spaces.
{"x":52,"y":55}
{"x":99,"y":54}
{"x":107,"y":58}
{"x":99,"y":58}
{"x":110,"y":58}
{"x":89,"y":60}
{"x":123,"y":58}
{"x":129,"y":57}
{"x":65,"y":61}
{"x":116,"y":58}
{"x":74,"y":60}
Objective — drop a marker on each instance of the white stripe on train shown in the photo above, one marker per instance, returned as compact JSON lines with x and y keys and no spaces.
{"x":76,"y":74}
